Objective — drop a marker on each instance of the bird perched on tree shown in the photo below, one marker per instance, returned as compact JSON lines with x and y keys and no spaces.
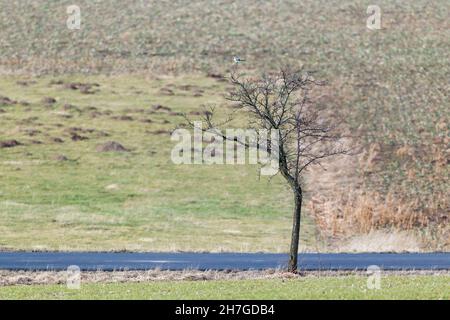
{"x":237,"y":59}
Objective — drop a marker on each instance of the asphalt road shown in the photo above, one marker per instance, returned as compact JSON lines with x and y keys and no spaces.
{"x":219,"y":261}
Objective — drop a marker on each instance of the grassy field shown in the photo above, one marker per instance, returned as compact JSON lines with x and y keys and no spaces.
{"x":350,"y":287}
{"x":65,"y":195}
{"x":392,"y":85}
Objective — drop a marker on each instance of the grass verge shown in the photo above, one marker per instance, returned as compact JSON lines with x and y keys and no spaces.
{"x":348,"y":287}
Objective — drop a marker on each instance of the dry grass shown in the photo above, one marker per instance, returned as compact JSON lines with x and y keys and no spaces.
{"x":10,"y":278}
{"x":361,"y":212}
{"x":369,"y":220}
{"x":381,"y":241}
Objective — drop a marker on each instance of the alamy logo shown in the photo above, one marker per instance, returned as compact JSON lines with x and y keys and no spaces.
{"x":73,"y":277}
{"x":374,"y":20}
{"x":374,"y":277}
{"x":231,"y":147}
{"x":74,"y":19}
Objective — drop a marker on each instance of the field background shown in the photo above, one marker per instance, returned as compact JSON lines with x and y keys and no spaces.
{"x":57,"y":192}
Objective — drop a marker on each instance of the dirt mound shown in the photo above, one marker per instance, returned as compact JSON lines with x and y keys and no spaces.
{"x":31,"y":132}
{"x":90,"y":108}
{"x":166,"y":92}
{"x":159,"y":132}
{"x":79,"y":129}
{"x":48,"y":100}
{"x":6,"y":101}
{"x":95,"y":114}
{"x":123,"y":118}
{"x":86,"y":88}
{"x":70,"y":107}
{"x":111,"y":146}
{"x":158,"y":107}
{"x":57,"y":140}
{"x":9,"y":144}
{"x":76,"y":137}
{"x":56,"y":82}
{"x":60,"y":158}
{"x":215,"y":76}
{"x":187,"y":87}
{"x":134,"y":110}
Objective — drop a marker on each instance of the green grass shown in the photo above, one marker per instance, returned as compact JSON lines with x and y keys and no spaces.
{"x":127,"y":201}
{"x":350,"y":287}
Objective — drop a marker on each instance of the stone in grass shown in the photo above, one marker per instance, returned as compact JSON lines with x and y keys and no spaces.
{"x":111,"y":146}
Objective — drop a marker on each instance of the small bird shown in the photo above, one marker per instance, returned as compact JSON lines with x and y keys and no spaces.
{"x":237,"y":60}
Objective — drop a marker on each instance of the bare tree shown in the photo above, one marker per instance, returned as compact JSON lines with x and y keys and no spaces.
{"x":282,"y":102}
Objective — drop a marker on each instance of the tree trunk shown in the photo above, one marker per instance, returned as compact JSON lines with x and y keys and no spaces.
{"x":292,"y":266}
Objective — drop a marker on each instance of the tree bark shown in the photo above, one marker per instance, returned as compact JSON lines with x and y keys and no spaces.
{"x":293,"y":255}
